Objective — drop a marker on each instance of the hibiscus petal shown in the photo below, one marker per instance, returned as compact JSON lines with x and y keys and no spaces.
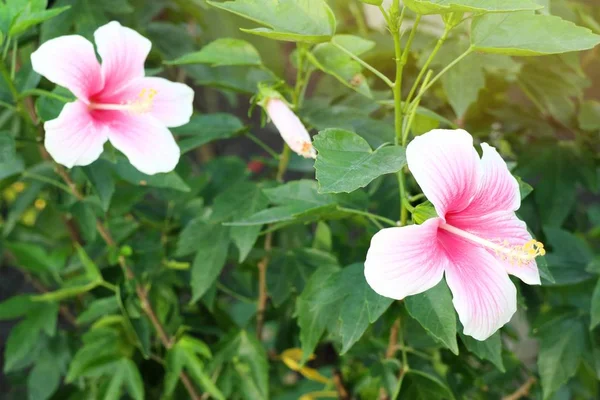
{"x":123,"y":53}
{"x":498,"y":189}
{"x":504,"y":228}
{"x":146,"y":142}
{"x":172,"y":103}
{"x":69,"y":61}
{"x":482,"y":292}
{"x":74,"y":138}
{"x":446,"y":167}
{"x":405,"y":261}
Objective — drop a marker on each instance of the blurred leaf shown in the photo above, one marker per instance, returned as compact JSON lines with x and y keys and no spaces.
{"x":8,"y":151}
{"x":423,"y":386}
{"x":290,"y":270}
{"x":101,"y":178}
{"x":345,"y":161}
{"x":423,"y":212}
{"x":595,"y":311}
{"x":188,"y":353}
{"x":435,"y":312}
{"x":526,"y":33}
{"x":125,"y":375}
{"x":563,"y":343}
{"x":24,"y":336}
{"x":589,"y":115}
{"x":45,"y":377}
{"x":222,"y":52}
{"x":489,"y":349}
{"x":166,"y":181}
{"x":209,"y":260}
{"x":290,"y":20}
{"x":568,"y":258}
{"x":331,"y":60}
{"x":98,"y":308}
{"x":15,"y":307}
{"x":86,"y":220}
{"x":243,"y":357}
{"x":475,"y":6}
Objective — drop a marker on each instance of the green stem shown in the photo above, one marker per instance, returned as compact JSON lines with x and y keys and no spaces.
{"x":9,"y":82}
{"x":263,"y":145}
{"x":45,"y":93}
{"x":108,"y":286}
{"x":356,"y":11}
{"x":427,"y":86}
{"x":368,"y":215}
{"x":405,"y":367}
{"x":403,"y":208}
{"x":413,"y":109}
{"x":410,"y":39}
{"x":233,"y":294}
{"x":284,"y":161}
{"x":366,"y":65}
{"x":6,"y":47}
{"x":13,"y":64}
{"x":299,"y":75}
{"x":42,"y":178}
{"x":430,"y":59}
{"x":395,"y":28}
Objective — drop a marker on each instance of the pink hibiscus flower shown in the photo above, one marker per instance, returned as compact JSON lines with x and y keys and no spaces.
{"x":115,"y":101}
{"x":476,"y":240}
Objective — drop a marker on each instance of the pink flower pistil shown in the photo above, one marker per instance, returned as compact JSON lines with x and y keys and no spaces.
{"x":475,"y":242}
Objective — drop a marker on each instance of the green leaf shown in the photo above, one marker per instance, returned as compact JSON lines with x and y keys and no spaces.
{"x":203,"y":129}
{"x":528,"y":34}
{"x":166,"y":181}
{"x":297,"y":202}
{"x":475,"y":6}
{"x":589,"y":116}
{"x":91,"y":269}
{"x":102,"y":180}
{"x":290,"y":270}
{"x":333,"y":61}
{"x":8,"y":151}
{"x":315,"y":307}
{"x":568,"y":258}
{"x":423,"y":212}
{"x":435,"y":312}
{"x":209,"y":260}
{"x":359,"y":309}
{"x":563,"y":344}
{"x":49,"y":108}
{"x":373,"y":2}
{"x":489,"y":349}
{"x":45,"y":377}
{"x":463,"y":82}
{"x":340,"y":301}
{"x":595,"y":311}
{"x":240,"y":201}
{"x":345,"y":161}
{"x":289,"y":20}
{"x":15,"y":307}
{"x":222,"y":52}
{"x":423,"y":386}
{"x":98,"y":308}
{"x":125,"y":375}
{"x":85,"y":217}
{"x":32,"y":14}
{"x":24,"y":336}
{"x":243,"y":356}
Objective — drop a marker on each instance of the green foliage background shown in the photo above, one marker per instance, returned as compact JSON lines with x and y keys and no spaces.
{"x":119,"y":285}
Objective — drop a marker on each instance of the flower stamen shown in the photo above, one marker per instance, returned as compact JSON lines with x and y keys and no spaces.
{"x":141,"y":105}
{"x":514,"y":254}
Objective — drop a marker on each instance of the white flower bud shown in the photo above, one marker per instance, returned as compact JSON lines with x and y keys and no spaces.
{"x":290,"y":128}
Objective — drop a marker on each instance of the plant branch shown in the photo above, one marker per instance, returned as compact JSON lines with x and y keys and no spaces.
{"x":522,"y":391}
{"x":365,"y":64}
{"x":369,"y":215}
{"x":342,"y":392}
{"x":262,"y":285}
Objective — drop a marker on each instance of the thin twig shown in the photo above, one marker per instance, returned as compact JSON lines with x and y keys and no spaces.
{"x":393,"y":340}
{"x":262,"y":286}
{"x":522,"y":391}
{"x":339,"y":386}
{"x":64,"y":311}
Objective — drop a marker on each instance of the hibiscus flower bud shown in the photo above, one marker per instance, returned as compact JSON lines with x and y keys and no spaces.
{"x":290,"y":127}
